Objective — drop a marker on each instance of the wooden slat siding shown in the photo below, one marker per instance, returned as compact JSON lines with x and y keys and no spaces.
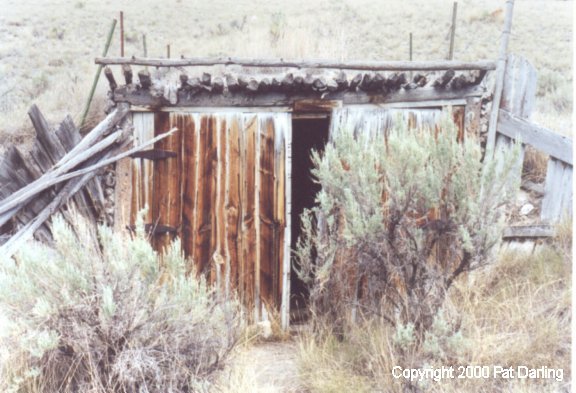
{"x":257,"y":227}
{"x":279,"y":205}
{"x":203,"y":227}
{"x":233,"y":194}
{"x":557,"y":200}
{"x":472,"y":116}
{"x":286,"y":257}
{"x":278,"y":213}
{"x":518,"y":95}
{"x":166,"y":180}
{"x":221,"y":262}
{"x":142,"y":170}
{"x":268,"y":264}
{"x":250,"y":240}
{"x":189,"y":176}
{"x":242,"y":229}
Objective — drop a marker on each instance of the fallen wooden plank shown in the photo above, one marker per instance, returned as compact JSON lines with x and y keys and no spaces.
{"x":528,"y":231}
{"x":103,"y":128}
{"x":547,"y":141}
{"x":351,"y":65}
{"x":45,"y":183}
{"x":47,"y":180}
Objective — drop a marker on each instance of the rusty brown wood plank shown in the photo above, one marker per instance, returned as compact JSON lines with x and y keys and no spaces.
{"x":190,"y":136}
{"x":250,"y":240}
{"x":268,"y":264}
{"x":166,"y":184}
{"x":233,"y":214}
{"x":220,"y":262}
{"x":202,"y":253}
{"x":458,"y":117}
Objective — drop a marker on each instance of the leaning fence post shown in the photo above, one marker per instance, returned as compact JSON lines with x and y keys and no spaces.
{"x":500,"y":69}
{"x":453,"y":31}
{"x":98,"y":72}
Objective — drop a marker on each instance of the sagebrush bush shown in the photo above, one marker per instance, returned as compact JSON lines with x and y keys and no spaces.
{"x":399,"y":218}
{"x":101,"y":312}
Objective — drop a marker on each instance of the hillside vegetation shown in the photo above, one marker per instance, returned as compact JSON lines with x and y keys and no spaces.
{"x":47,"y":48}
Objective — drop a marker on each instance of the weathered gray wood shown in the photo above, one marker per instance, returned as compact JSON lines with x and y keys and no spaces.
{"x":110,"y":77}
{"x":232,"y":84}
{"x":45,"y":135}
{"x":557,"y":191}
{"x":11,"y":246}
{"x":103,"y":128}
{"x":55,"y":177}
{"x":528,"y":231}
{"x":502,"y":54}
{"x":519,"y":91}
{"x":444,"y":79}
{"x":273,"y":98}
{"x":128,"y":75}
{"x":18,"y":198}
{"x":217,"y":85}
{"x":351,"y":65}
{"x":144,"y":77}
{"x":547,"y":141}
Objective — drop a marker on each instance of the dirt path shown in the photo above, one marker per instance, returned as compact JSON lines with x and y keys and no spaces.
{"x":269,"y":367}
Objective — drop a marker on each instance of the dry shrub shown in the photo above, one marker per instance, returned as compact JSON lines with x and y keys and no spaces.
{"x":97,"y":313}
{"x":399,"y":218}
{"x":514,"y":313}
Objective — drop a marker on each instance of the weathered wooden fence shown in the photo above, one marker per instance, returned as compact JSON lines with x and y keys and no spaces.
{"x":518,"y":97}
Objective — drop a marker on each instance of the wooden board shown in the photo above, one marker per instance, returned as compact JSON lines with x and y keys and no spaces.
{"x":166,"y":194}
{"x":547,"y":141}
{"x":557,"y":202}
{"x":142,"y":170}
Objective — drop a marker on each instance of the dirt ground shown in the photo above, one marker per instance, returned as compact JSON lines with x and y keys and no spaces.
{"x":267,"y":367}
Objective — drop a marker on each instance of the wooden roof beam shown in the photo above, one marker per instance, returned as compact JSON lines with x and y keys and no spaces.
{"x":435,"y":65}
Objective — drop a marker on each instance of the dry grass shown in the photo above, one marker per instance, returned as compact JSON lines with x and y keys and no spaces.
{"x":46,"y":56}
{"x":516,"y":313}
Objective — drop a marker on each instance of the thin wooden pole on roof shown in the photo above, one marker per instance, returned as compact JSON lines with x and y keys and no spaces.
{"x":500,"y":70}
{"x":167,"y":51}
{"x":453,"y":31}
{"x":434,"y":65}
{"x":410,"y":46}
{"x":98,"y":72}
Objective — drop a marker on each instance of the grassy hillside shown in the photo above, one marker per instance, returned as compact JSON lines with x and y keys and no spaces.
{"x":47,"y":47}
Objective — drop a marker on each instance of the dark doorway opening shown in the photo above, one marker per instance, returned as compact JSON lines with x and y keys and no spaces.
{"x":307,"y":135}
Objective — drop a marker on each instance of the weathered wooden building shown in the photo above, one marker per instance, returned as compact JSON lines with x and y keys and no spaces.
{"x":232,"y":182}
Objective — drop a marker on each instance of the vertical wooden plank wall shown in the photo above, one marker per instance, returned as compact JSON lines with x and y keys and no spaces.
{"x":142,"y":169}
{"x":166,"y":195}
{"x":225,"y":193}
{"x":518,"y":97}
{"x":558,"y":196}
